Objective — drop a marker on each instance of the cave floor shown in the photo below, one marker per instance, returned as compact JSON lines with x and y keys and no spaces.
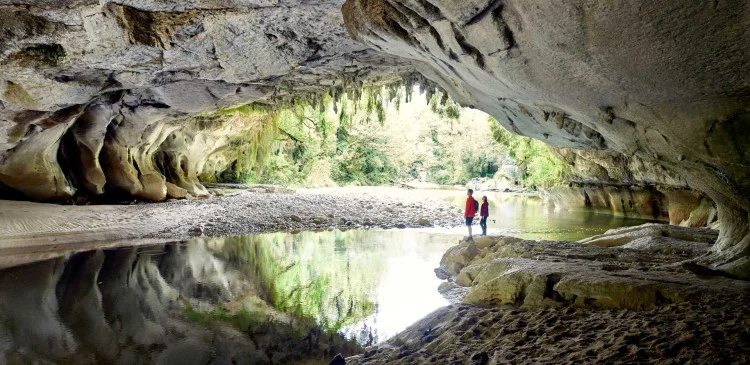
{"x":522,"y":301}
{"x":711,"y":326}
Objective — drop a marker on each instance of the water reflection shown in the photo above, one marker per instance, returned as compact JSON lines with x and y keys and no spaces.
{"x":259,"y":299}
{"x":528,"y":217}
{"x":367,"y":285}
{"x":164,"y":304}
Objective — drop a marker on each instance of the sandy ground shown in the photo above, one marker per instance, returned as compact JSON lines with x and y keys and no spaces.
{"x":28,"y":229}
{"x":713,"y":332}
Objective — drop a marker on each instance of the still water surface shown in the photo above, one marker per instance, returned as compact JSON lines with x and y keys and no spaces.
{"x":367,"y":285}
{"x":370,"y":285}
{"x":364,"y":285}
{"x":528,"y":217}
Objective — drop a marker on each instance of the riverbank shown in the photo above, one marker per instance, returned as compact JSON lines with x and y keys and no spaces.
{"x":26,"y":227}
{"x":632,"y":295}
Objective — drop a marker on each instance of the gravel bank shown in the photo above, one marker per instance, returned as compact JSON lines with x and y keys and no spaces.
{"x":27,"y":227}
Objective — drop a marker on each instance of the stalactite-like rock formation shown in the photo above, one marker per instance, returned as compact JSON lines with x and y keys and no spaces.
{"x":109,"y":97}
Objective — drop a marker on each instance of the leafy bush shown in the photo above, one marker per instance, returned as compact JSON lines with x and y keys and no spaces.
{"x":364,"y":161}
{"x":539,"y":167}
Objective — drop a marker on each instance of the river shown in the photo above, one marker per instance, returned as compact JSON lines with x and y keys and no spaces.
{"x":364,"y":285}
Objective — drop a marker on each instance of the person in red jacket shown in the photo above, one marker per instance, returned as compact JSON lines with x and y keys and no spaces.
{"x":471,"y":210}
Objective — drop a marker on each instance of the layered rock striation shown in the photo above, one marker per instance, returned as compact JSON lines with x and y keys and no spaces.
{"x":631,"y":187}
{"x":114,"y":95}
{"x":661,"y":85}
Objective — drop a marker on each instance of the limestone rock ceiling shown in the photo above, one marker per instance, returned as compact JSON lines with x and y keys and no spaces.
{"x":666,"y":82}
{"x":105,"y":94}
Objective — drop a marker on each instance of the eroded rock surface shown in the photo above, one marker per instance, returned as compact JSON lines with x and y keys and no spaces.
{"x":115,"y":94}
{"x":661,"y":87}
{"x":633,"y":237}
{"x":121,"y":95}
{"x":651,"y":267}
{"x":683,"y":207}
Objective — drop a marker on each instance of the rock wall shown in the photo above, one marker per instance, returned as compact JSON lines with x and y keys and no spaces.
{"x":109,"y":96}
{"x":682,"y":207}
{"x":664,"y":84}
{"x":631,"y":187}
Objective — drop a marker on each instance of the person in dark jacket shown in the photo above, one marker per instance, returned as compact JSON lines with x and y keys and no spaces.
{"x":484,"y":212}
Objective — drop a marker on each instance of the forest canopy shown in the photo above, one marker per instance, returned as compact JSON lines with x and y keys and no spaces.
{"x":382,"y":136}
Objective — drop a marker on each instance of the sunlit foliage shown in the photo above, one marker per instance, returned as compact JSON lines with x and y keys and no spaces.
{"x":538,"y":166}
{"x":322,"y":140}
{"x":376,"y":136}
{"x":442,"y":105}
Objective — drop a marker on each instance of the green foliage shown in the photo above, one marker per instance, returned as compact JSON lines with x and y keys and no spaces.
{"x":361,"y":137}
{"x":364,"y":161}
{"x":442,"y":105}
{"x":253,"y":147}
{"x":480,"y":164}
{"x":307,"y":277}
{"x":357,"y":137}
{"x":249,"y":322}
{"x":290,"y":142}
{"x":245,"y":110}
{"x":241,"y":320}
{"x":539,"y":167}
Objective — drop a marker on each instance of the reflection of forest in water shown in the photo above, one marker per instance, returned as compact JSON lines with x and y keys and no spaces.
{"x":306,"y":275}
{"x":252,"y":299}
{"x":345,"y":281}
{"x":273,"y":298}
